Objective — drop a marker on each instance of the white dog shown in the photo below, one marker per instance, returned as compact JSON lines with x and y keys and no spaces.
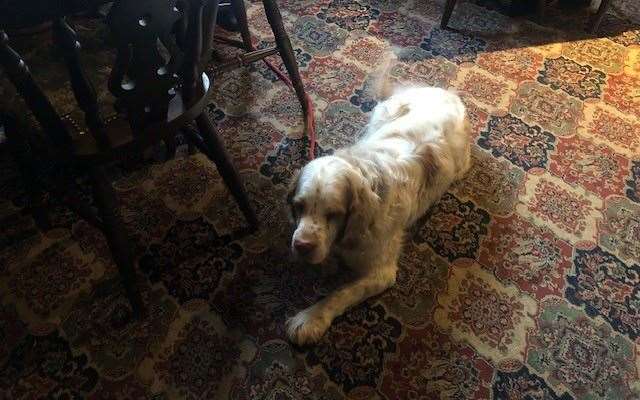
{"x":358,"y":203}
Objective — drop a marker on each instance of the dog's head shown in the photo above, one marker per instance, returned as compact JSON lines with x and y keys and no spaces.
{"x":331,"y":203}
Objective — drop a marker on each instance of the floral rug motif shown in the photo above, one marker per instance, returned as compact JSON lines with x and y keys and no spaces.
{"x":522,"y":282}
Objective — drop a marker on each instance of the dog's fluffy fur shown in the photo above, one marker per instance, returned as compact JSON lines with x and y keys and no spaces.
{"x":358,"y":202}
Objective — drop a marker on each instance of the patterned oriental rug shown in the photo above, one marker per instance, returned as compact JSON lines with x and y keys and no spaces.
{"x":523,"y":282}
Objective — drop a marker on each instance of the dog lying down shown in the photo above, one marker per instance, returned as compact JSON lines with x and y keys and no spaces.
{"x":358,"y":202}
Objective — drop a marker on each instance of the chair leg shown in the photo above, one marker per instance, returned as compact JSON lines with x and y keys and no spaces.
{"x":597,"y":19}
{"x":240,"y":12}
{"x":446,"y":15}
{"x":18,"y":73}
{"x":21,"y":153}
{"x":286,"y":52}
{"x":67,"y":41}
{"x":171,"y":146}
{"x":217,"y":153}
{"x":117,"y":237}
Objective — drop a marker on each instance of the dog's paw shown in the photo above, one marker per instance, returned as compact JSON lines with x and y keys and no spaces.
{"x":307,"y":326}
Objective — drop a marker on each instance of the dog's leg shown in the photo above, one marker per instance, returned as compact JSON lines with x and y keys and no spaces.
{"x":310,"y":324}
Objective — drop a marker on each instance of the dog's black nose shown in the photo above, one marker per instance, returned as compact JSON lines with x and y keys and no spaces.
{"x":303,"y":247}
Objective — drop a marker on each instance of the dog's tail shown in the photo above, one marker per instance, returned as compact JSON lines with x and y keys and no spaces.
{"x":384,"y":86}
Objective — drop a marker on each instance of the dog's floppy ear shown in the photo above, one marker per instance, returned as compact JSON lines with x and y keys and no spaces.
{"x":361,"y":211}
{"x":428,"y":156}
{"x":293,"y":188}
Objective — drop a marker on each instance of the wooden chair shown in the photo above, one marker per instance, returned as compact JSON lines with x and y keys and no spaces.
{"x":160,"y":87}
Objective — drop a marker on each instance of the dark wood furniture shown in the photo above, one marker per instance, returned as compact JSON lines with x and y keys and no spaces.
{"x":599,"y":15}
{"x":446,"y":14}
{"x":541,"y":6}
{"x":450,"y":5}
{"x":19,"y":14}
{"x":160,"y":87}
{"x":283,"y":44}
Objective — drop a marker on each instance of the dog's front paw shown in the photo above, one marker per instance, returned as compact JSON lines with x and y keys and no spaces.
{"x":307,"y":326}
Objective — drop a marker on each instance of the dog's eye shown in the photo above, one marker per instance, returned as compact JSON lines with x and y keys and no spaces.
{"x":298,"y":208}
